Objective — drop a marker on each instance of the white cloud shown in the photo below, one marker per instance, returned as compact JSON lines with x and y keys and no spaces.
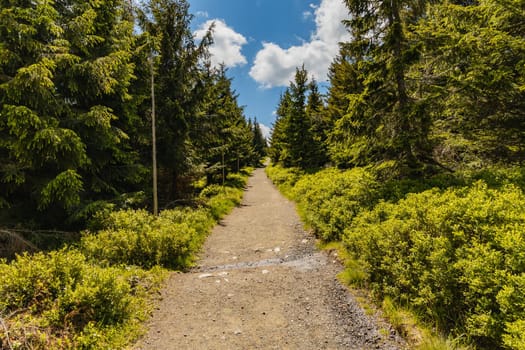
{"x":275,"y":66}
{"x":202,"y":14}
{"x":266,"y":131}
{"x":307,"y":15}
{"x":227,"y":43}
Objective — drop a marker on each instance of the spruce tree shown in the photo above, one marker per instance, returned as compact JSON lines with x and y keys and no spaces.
{"x":278,"y":150}
{"x":180,"y":87}
{"x":259,"y":142}
{"x":472,"y":73}
{"x":319,"y":124}
{"x":384,"y":122}
{"x":40,"y":156}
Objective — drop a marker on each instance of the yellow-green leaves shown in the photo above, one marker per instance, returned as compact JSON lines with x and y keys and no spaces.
{"x":64,"y":190}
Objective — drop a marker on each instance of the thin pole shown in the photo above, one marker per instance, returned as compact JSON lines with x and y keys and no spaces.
{"x":223,"y":169}
{"x":154,"y":142}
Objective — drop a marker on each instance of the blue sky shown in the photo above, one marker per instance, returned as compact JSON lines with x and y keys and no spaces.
{"x":263,"y":41}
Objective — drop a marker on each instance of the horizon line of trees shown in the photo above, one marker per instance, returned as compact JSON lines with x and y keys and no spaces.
{"x":75,"y":115}
{"x":421,"y":87}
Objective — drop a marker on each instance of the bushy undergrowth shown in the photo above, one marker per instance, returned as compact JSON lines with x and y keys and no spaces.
{"x":451,"y":248}
{"x":135,"y":237}
{"x":94,"y":296}
{"x":330,"y":199}
{"x":457,"y":257}
{"x":53,"y":300}
{"x":284,"y":178}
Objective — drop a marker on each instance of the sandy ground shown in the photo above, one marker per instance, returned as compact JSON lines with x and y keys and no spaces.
{"x":261,"y":284}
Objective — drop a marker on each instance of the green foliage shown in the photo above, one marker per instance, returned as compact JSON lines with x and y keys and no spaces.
{"x":63,"y":120}
{"x":93,"y":297}
{"x":66,"y":188}
{"x":259,"y":142}
{"x":472,"y":73}
{"x":222,"y":136}
{"x":450,"y":248}
{"x":449,"y":255}
{"x":330,"y":199}
{"x":139,"y":238}
{"x":135,"y":237}
{"x":379,"y":118}
{"x":50,"y":300}
{"x":284,"y":178}
{"x":226,"y":197}
{"x":224,"y":202}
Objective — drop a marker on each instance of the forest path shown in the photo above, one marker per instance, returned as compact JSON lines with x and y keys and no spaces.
{"x":261,"y":284}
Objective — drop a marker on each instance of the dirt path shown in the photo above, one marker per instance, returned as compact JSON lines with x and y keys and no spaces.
{"x":261,"y":284}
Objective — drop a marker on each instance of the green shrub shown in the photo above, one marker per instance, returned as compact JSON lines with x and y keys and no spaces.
{"x":451,"y":247}
{"x":330,"y":199}
{"x":36,"y":281}
{"x":135,"y":237}
{"x":455,"y":256}
{"x":84,"y":299}
{"x":284,"y":178}
{"x":141,"y":239}
{"x":224,"y":202}
{"x":47,"y":299}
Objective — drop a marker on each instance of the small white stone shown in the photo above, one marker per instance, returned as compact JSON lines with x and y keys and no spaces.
{"x":277,"y":250}
{"x":265,"y":272}
{"x":206,"y":275}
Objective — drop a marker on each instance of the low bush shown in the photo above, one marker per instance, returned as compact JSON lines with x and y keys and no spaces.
{"x":330,"y":199}
{"x":451,"y":247}
{"x":455,"y":256}
{"x":49,"y":299}
{"x":135,"y":237}
{"x":284,"y":178}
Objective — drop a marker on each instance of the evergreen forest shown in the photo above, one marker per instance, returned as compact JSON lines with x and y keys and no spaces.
{"x":121,"y":146}
{"x":76,"y":84}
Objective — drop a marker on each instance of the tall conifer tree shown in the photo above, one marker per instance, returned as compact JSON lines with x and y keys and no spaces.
{"x":384,"y":121}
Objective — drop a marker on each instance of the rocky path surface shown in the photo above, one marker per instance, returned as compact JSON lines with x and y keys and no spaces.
{"x":261,"y":284}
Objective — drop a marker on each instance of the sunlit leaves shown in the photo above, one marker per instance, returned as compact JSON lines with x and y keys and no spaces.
{"x":64,"y":188}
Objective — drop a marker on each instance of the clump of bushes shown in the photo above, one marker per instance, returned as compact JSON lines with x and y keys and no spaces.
{"x":49,"y":300}
{"x":456,"y":256}
{"x":330,"y":199}
{"x":135,"y":237}
{"x":284,"y":178}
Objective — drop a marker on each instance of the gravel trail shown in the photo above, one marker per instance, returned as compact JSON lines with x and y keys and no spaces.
{"x":261,"y":284}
